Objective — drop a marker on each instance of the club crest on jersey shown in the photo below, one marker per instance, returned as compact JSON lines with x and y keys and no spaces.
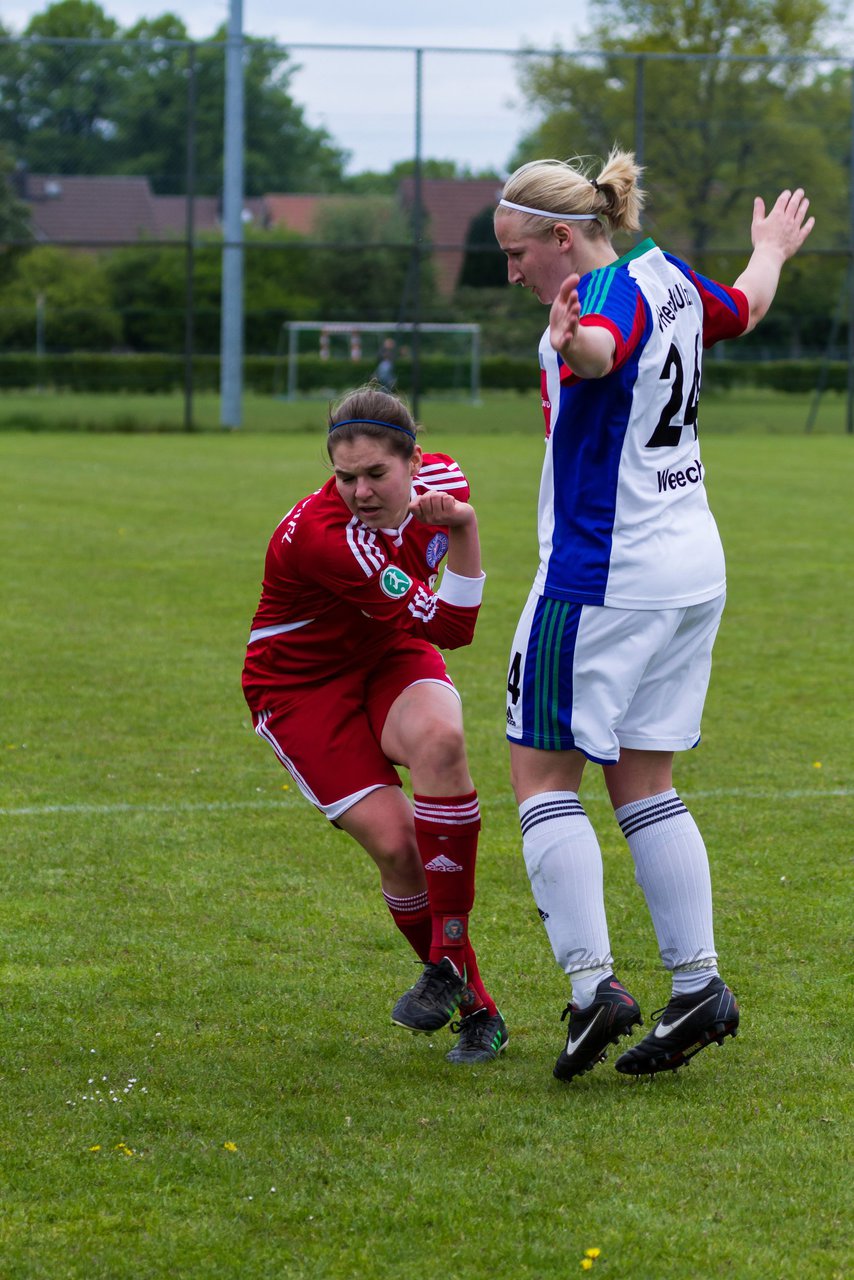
{"x":436,"y":549}
{"x":394,"y":582}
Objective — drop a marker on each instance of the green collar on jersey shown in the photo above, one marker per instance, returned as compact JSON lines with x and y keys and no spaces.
{"x":643,"y":247}
{"x":598,"y":289}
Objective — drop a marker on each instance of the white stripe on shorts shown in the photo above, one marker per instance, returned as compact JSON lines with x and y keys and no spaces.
{"x":333,"y":810}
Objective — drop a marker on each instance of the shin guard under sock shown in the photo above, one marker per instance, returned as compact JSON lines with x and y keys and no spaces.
{"x":446,"y":829}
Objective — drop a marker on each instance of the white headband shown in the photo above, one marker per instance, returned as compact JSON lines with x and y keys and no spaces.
{"x":545,"y":213}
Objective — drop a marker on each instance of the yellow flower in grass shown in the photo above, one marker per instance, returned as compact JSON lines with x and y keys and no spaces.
{"x":586,"y":1264}
{"x":96,"y":1148}
{"x":230,"y":1146}
{"x":592,"y":1253}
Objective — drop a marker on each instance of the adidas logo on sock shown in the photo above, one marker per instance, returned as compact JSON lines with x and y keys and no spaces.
{"x":441,"y":863}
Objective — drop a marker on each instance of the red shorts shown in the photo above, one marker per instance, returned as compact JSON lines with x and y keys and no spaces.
{"x":328,"y":737}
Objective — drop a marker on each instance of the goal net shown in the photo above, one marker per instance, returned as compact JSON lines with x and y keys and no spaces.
{"x":334,"y":353}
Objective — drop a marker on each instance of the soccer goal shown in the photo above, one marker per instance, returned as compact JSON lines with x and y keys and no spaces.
{"x":454,"y":347}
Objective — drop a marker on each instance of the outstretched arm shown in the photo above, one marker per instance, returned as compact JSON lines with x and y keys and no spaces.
{"x":776,"y":238}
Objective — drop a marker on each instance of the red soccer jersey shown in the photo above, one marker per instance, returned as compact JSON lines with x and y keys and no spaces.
{"x":338,"y":594}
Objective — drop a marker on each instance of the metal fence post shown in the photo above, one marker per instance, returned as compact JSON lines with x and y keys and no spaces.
{"x":640,"y":103}
{"x":417,"y":233}
{"x":231,"y":345}
{"x":849,"y":422}
{"x":189,"y":256}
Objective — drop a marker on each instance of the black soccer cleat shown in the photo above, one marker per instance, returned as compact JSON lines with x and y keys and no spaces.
{"x":483,"y":1035}
{"x":434,"y":999}
{"x":612,"y":1014}
{"x":684,"y":1027}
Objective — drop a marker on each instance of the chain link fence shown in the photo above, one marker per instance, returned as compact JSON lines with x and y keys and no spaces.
{"x":112,"y":196}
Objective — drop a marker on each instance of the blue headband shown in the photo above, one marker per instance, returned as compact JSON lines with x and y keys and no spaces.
{"x":375,"y":422}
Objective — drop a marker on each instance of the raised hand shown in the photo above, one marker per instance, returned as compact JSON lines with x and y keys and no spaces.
{"x":565,"y":315}
{"x":786,"y":227}
{"x":776,"y":237}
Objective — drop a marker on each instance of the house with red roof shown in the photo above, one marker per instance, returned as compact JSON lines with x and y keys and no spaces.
{"x":110,"y":210}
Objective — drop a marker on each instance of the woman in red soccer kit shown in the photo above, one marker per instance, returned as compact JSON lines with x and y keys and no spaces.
{"x":345,"y":683}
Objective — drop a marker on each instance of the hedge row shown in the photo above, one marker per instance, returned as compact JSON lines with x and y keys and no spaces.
{"x":268,"y":375}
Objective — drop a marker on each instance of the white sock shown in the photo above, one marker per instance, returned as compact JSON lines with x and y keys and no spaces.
{"x":672,"y":868}
{"x":565,"y":869}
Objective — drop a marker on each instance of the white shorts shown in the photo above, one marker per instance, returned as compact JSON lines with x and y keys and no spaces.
{"x":594,"y":679}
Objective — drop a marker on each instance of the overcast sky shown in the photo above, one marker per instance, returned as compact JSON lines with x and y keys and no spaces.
{"x":471,"y":107}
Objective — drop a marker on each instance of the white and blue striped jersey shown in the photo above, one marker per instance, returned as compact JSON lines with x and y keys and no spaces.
{"x":623,"y":515}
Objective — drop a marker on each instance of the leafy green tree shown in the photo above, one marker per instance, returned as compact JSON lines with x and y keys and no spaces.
{"x":484,"y":265}
{"x":706,"y":96}
{"x":148,"y":287}
{"x":366,"y":274}
{"x":282,"y":152}
{"x":713,"y":130}
{"x":55,"y":99}
{"x":14,"y":215}
{"x":150,"y":112}
{"x":121,"y":105}
{"x":511,"y":321}
{"x":69,"y":292}
{"x":372,"y":183}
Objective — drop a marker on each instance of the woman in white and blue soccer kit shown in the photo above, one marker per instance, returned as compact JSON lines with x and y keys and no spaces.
{"x":612,"y":655}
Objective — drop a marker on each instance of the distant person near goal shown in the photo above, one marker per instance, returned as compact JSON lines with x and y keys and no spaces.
{"x":345,"y":683}
{"x":385,"y":373}
{"x":612,"y":654}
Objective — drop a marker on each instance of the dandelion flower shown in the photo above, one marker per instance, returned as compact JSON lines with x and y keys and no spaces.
{"x":592,"y":1253}
{"x":95,"y":1148}
{"x":586,"y":1264}
{"x":230,"y":1146}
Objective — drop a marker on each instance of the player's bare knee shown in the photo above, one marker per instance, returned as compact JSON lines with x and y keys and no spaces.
{"x":440,"y":750}
{"x":397,"y":859}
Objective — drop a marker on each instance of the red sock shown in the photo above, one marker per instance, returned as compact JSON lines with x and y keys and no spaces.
{"x":446,"y":828}
{"x":476,"y":995}
{"x":414,"y":919}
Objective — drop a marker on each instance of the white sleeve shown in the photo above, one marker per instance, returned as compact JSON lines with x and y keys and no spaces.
{"x":465,"y":593}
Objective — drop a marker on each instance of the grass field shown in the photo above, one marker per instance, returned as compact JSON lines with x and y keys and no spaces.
{"x":199,"y":1073}
{"x":730,"y":411}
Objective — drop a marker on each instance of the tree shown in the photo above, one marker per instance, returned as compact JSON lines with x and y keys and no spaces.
{"x":150,"y":113}
{"x":366,"y":276}
{"x":120,"y":105}
{"x":282,"y":152}
{"x":14,"y":214}
{"x":713,"y":130}
{"x":55,"y":100}
{"x":70,"y":291}
{"x":148,"y":288}
{"x":484,"y":265}
{"x":372,"y":183}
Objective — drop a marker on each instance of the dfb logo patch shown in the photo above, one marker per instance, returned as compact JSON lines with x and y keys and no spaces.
{"x":394,"y":582}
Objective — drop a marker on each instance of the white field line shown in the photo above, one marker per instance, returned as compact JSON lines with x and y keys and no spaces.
{"x":225,"y":806}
